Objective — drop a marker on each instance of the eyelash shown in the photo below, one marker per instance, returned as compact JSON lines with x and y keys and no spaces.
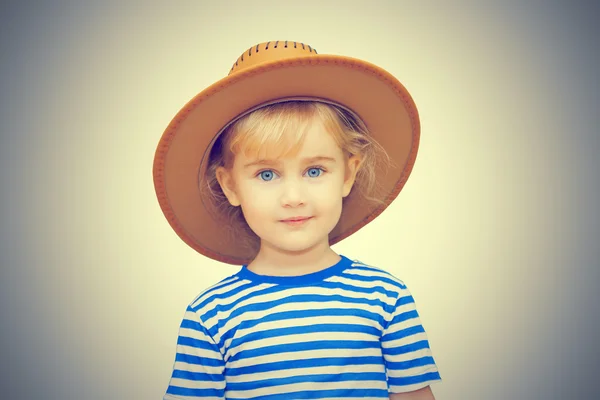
{"x":323,"y":170}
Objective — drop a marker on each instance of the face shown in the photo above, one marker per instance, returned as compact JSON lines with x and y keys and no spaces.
{"x":292,"y":203}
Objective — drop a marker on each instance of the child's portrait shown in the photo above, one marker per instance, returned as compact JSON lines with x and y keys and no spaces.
{"x":267,"y":169}
{"x":319,"y":200}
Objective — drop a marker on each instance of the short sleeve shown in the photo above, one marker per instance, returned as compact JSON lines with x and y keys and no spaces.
{"x":199,"y":365}
{"x":408,"y":359}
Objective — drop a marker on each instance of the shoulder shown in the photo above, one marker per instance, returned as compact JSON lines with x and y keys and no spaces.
{"x":362,"y":271}
{"x":217,"y":293}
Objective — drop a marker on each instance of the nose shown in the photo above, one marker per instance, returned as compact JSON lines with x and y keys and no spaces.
{"x":293,"y":194}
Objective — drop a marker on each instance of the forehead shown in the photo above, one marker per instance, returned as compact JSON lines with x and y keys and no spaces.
{"x":315,"y":141}
{"x":301,"y":141}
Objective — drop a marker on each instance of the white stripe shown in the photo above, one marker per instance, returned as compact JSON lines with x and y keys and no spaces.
{"x":415,"y":386}
{"x":278,"y":296}
{"x":212,"y":297}
{"x":185,"y":383}
{"x":305,"y":355}
{"x":228,"y":301}
{"x":205,"y":293}
{"x":301,"y":338}
{"x":194,"y":334}
{"x":413,"y":355}
{"x":415,"y":371}
{"x":378,"y":273}
{"x":169,"y":397}
{"x":403,"y":308}
{"x":265,"y":327}
{"x":410,"y":388}
{"x":195,"y":351}
{"x":183,"y":366}
{"x":404,"y":341}
{"x":306,"y":371}
{"x":288,"y":323}
{"x":349,"y":281}
{"x":398,"y":326}
{"x":313,"y":305}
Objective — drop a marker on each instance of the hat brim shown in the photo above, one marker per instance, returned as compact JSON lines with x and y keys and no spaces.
{"x":378,"y":98}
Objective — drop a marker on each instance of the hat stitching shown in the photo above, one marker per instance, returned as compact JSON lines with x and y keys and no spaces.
{"x":243,"y":74}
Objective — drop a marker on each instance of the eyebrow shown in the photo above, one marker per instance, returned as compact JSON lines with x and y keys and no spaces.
{"x":307,"y":160}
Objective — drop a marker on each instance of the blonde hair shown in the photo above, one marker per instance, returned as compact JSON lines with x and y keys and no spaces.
{"x":278,"y":130}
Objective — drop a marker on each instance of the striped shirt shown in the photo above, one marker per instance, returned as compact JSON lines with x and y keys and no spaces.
{"x":349,"y":331}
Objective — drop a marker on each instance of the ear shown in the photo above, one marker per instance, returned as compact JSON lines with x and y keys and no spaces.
{"x":352,"y":168}
{"x":227,"y":185}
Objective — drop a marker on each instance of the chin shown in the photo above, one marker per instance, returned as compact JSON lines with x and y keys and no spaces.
{"x":294,"y":247}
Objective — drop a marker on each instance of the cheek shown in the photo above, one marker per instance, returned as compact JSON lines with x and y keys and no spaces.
{"x":255,"y":203}
{"x":329,"y":195}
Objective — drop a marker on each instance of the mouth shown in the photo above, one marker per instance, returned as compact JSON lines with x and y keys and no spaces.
{"x":295,"y":220}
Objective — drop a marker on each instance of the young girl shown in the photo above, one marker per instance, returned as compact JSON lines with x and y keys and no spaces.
{"x":290,"y":153}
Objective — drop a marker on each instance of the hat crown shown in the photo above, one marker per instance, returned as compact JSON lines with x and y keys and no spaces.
{"x":271,"y":51}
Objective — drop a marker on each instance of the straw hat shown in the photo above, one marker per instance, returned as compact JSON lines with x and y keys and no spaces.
{"x":268,"y":73}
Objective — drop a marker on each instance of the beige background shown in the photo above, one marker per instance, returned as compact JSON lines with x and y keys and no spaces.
{"x":496,"y":232}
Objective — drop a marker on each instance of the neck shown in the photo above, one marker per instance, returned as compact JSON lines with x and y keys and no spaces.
{"x":277,"y":262}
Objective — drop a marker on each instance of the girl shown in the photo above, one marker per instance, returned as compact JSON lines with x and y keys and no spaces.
{"x":290,"y":153}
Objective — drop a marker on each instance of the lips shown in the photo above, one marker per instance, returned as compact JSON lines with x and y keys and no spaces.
{"x":296,"y":219}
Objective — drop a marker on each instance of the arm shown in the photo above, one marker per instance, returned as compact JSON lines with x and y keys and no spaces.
{"x":198,"y":372}
{"x":408,"y":359}
{"x":421,"y":394}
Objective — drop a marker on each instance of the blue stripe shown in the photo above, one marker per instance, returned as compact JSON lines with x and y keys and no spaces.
{"x":418,"y":362}
{"x":343,"y":377}
{"x":401,"y":302}
{"x":224,"y":295}
{"x":207,"y":362}
{"x":413,"y":330}
{"x":294,"y":330}
{"x":405,"y":316}
{"x":405,"y":300}
{"x":301,"y":299}
{"x":196,"y":343}
{"x":411,"y":380}
{"x":198,"y":376}
{"x":181,"y":391}
{"x":310,"y":363}
{"x":297,"y":314}
{"x":305,"y":346}
{"x":195,"y":325}
{"x":390,"y":304}
{"x":223,"y":308}
{"x":223,"y":283}
{"x":322,"y":394}
{"x":409,"y":348}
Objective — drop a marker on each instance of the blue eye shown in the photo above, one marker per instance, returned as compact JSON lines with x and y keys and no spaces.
{"x":314,"y":172}
{"x":266,"y":175}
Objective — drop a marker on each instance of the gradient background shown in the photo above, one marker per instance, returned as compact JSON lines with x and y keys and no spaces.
{"x":496,"y":232}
